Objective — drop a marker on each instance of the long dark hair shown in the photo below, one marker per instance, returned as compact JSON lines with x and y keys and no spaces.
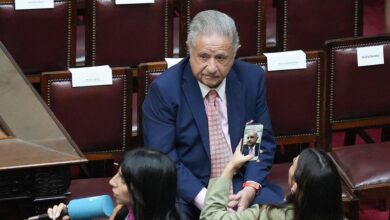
{"x":318,"y":194}
{"x":150,"y":177}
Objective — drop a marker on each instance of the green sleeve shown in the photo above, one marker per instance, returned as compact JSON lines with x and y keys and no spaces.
{"x":216,"y":203}
{"x":216,"y":206}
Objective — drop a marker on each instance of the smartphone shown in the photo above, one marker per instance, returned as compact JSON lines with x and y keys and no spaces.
{"x":251,"y":140}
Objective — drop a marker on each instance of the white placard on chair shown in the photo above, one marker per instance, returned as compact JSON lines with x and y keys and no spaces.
{"x":33,"y":4}
{"x":91,"y":76}
{"x":124,"y":2}
{"x":368,"y":56}
{"x":286,"y":60}
{"x":172,"y":61}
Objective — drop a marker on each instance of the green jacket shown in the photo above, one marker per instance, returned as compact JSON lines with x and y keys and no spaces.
{"x":217,"y":200}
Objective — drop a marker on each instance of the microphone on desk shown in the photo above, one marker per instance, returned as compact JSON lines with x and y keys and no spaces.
{"x":90,"y":207}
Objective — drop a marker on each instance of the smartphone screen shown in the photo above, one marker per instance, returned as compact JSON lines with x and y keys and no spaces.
{"x":251,"y":140}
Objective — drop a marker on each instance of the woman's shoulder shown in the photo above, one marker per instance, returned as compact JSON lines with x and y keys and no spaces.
{"x":279,"y":213}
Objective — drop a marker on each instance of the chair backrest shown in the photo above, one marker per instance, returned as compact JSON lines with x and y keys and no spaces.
{"x":307,"y":24}
{"x":357,"y":97}
{"x":126,"y":35}
{"x":96,"y":117}
{"x":147,"y":72}
{"x":40,"y":40}
{"x":249,"y":16}
{"x":295,"y":101}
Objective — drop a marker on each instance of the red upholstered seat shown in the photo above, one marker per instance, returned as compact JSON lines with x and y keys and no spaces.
{"x":295,"y":93}
{"x":126,"y":35}
{"x":307,"y":24}
{"x":249,"y":16}
{"x":364,"y":165}
{"x":40,"y":40}
{"x":358,"y":98}
{"x":96,"y":117}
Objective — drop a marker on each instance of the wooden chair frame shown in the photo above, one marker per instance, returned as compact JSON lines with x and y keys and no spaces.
{"x":146,"y":73}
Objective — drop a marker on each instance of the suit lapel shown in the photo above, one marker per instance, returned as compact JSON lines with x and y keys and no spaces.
{"x":235,"y":108}
{"x":195,"y":101}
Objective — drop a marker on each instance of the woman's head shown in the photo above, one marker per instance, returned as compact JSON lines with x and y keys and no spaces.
{"x":315,"y":186}
{"x":146,"y":180}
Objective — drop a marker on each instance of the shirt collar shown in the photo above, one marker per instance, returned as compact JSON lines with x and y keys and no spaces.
{"x":220,"y":89}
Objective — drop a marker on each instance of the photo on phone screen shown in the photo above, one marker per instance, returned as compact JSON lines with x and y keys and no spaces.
{"x":251,"y":140}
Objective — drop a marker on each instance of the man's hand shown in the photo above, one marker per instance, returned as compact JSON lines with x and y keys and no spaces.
{"x":242,"y":199}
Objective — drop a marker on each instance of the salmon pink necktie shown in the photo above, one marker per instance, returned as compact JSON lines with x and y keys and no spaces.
{"x":219,"y":149}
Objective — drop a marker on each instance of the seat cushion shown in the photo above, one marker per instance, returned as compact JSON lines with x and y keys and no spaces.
{"x":364,"y":166}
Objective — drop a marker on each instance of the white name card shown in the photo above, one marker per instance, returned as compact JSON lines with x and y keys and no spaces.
{"x":368,"y":56}
{"x":172,"y":61}
{"x":33,"y":4}
{"x":288,"y":60}
{"x":91,"y":76}
{"x":124,"y":2}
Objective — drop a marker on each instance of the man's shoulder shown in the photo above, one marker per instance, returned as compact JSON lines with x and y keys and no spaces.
{"x":170,"y":78}
{"x":243,"y":65}
{"x":176,"y":70}
{"x":249,"y":75}
{"x":247,"y":71}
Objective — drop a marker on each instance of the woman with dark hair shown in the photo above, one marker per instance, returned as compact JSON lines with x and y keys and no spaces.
{"x":315,"y":191}
{"x":144,"y":188}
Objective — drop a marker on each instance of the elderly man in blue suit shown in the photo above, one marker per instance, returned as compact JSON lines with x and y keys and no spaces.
{"x":175,"y":119}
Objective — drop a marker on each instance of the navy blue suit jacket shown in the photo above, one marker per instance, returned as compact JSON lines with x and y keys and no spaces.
{"x":245,"y":149}
{"x":175,"y":122}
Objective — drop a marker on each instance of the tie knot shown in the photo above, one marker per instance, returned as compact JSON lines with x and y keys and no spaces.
{"x":212,"y":96}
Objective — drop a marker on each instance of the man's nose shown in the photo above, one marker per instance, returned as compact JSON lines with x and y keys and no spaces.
{"x":211,"y":66}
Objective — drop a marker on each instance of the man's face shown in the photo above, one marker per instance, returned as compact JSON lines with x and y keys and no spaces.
{"x":211,"y":59}
{"x":251,"y":139}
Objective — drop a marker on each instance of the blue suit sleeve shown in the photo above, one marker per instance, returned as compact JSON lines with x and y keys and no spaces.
{"x":159,"y":120}
{"x":258,"y":171}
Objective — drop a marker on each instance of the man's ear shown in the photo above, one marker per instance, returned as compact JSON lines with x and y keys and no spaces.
{"x":188,"y":46}
{"x":238,"y":47}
